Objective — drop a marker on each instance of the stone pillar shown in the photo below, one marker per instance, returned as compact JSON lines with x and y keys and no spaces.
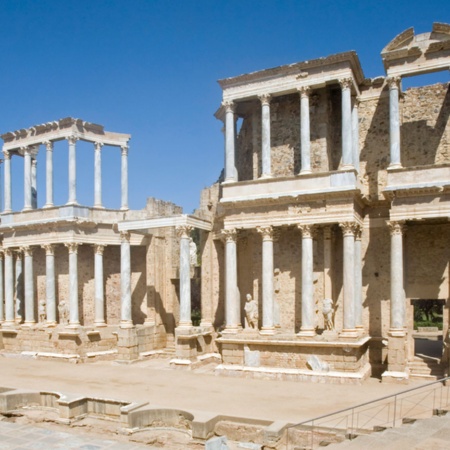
{"x":126,"y":320}
{"x":98,"y":175}
{"x":30,"y":316}
{"x":230,"y":164}
{"x":50,"y":284}
{"x":72,"y":171}
{"x":2,"y":296}
{"x":99,"y":320}
{"x":394,"y":122}
{"x":355,"y":133}
{"x":308,"y":304}
{"x":268,"y":326}
{"x":328,"y":287}
{"x":232,"y":309}
{"x":49,"y":175}
{"x":265,"y":129}
{"x":34,"y":198}
{"x":74,"y":319}
{"x":9,"y":288}
{"x":358,"y":279}
{"x":124,"y":178}
{"x":348,"y":232}
{"x":347,"y":144}
{"x":185,"y":276}
{"x":19,"y":306}
{"x":7,"y":169}
{"x":397,"y":230}
{"x":27,"y":204}
{"x":305,"y":132}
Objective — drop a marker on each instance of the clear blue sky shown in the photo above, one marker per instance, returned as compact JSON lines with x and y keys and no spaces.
{"x":149,"y":68}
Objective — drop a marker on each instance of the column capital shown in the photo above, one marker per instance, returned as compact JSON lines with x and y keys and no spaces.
{"x":124,"y":150}
{"x":306,"y":230}
{"x":26,"y":150}
{"x":304,"y":91}
{"x":396,"y":227}
{"x":346,"y":83}
{"x":49,"y":249}
{"x":72,"y":139}
{"x":48,"y":145}
{"x":125,"y":236}
{"x":18,"y":253}
{"x":72,"y":246}
{"x":7,"y":154}
{"x":1,"y":253}
{"x":230,"y":235}
{"x":183,"y":231}
{"x":266,"y":232}
{"x":98,"y":249}
{"x":393,"y":82}
{"x":98,"y":146}
{"x":265,"y":99}
{"x":8,"y":251}
{"x":229,"y":106}
{"x":348,"y":228}
{"x":358,"y":232}
{"x":27,"y":250}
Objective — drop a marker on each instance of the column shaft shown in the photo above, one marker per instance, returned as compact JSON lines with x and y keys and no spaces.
{"x":49,"y":175}
{"x":27,"y":179}
{"x":308,"y":305}
{"x":348,"y":231}
{"x":99,"y":290}
{"x":98,"y":175}
{"x":305,"y":132}
{"x":9,"y":287}
{"x":232,"y":310}
{"x":268,"y":326}
{"x":397,"y":290}
{"x":19,"y":288}
{"x":50,"y":284}
{"x":2,"y":296}
{"x":8,"y":197}
{"x":347,"y":144}
{"x":230,"y":167}
{"x":185,"y":279}
{"x":126,"y":320}
{"x":358,"y":280}
{"x":30,"y":317}
{"x":265,"y":128}
{"x":394,"y":123}
{"x":34,"y":198}
{"x":74,"y":319}
{"x":355,"y":134}
{"x":72,"y":171}
{"x":124,"y":178}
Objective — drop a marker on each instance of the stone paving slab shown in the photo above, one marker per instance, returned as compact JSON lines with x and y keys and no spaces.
{"x":14,"y":436}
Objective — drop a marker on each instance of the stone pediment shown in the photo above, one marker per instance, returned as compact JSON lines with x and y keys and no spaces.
{"x":418,"y":53}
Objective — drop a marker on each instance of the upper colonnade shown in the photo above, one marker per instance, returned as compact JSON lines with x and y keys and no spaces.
{"x":26,"y":143}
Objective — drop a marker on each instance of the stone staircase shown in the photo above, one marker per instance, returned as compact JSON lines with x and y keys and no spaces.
{"x":426,"y":368}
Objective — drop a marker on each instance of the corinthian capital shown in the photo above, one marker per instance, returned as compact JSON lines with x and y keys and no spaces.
{"x":307,"y":230}
{"x":125,"y":236}
{"x":266,"y":232}
{"x":396,"y":227}
{"x":98,"y":249}
{"x":304,"y":91}
{"x":183,"y":231}
{"x":346,"y":83}
{"x":98,"y":146}
{"x":393,"y":82}
{"x":229,"y":106}
{"x":72,"y":139}
{"x":265,"y":99}
{"x":48,"y":145}
{"x":6,"y":154}
{"x":230,"y":235}
{"x":49,"y":249}
{"x":27,"y":250}
{"x":348,"y":228}
{"x":124,"y":149}
{"x":72,"y":246}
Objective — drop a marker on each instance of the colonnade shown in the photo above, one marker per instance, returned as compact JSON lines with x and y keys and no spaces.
{"x":352,"y":280}
{"x":350,"y":133}
{"x":30,"y":182}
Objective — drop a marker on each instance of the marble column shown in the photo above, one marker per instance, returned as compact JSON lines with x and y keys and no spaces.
{"x":305,"y":132}
{"x":268,"y":326}
{"x":2,"y":296}
{"x":185,"y":278}
{"x":394,"y":122}
{"x":98,"y":175}
{"x":124,"y":178}
{"x":27,"y":203}
{"x":49,"y":174}
{"x":7,"y":169}
{"x":308,"y":304}
{"x":19,"y":306}
{"x":9,"y":288}
{"x":230,"y":163}
{"x":99,"y":320}
{"x":398,"y":307}
{"x":34,"y":198}
{"x":327,"y":256}
{"x":30,"y":316}
{"x":74,"y":319}
{"x":232,"y":307}
{"x":358,"y":279}
{"x":265,"y":140}
{"x":348,"y":232}
{"x":50,"y":284}
{"x":126,"y":320}
{"x":355,"y":133}
{"x":347,"y":144}
{"x":72,"y":171}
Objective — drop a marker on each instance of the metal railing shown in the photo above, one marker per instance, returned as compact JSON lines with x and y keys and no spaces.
{"x":385,"y":412}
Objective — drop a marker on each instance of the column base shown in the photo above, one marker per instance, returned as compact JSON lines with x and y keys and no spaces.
{"x":48,"y":205}
{"x":265,"y":176}
{"x":267,"y":331}
{"x":305,"y":172}
{"x":124,"y":208}
{"x":72,"y":203}
{"x":229,"y":180}
{"x":73,"y":325}
{"x":352,"y":333}
{"x":395,"y":166}
{"x":7,"y":211}
{"x":98,"y":207}
{"x":27,"y":208}
{"x":100,"y":324}
{"x":347,"y":167}
{"x":126,"y":324}
{"x":231,"y":329}
{"x":50,"y":324}
{"x":307,"y":332}
{"x":9,"y":323}
{"x":185,"y":325}
{"x":28,"y":324}
{"x":397,"y":332}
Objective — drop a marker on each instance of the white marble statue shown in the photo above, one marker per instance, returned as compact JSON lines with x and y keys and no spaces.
{"x":63,"y":313}
{"x":327,"y":311}
{"x":42,"y":311}
{"x":251,"y":312}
